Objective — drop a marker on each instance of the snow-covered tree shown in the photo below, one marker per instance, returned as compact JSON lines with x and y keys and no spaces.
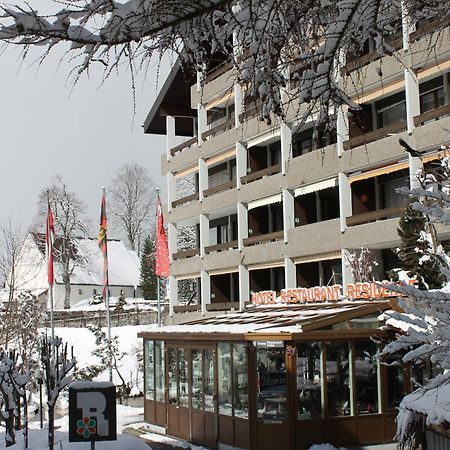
{"x":416,"y":254}
{"x":57,"y":365}
{"x":148,"y":278}
{"x":296,"y":44}
{"x":361,"y":264}
{"x":423,"y":336}
{"x":133,"y":197}
{"x":70,"y":224}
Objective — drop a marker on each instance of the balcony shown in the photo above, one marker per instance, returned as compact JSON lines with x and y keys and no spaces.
{"x":220,"y":188}
{"x":258,"y":175}
{"x":373,"y":216}
{"x":184,"y":145}
{"x":187,"y":199}
{"x":264,"y":238}
{"x":183,"y":254}
{"x":228,"y":124}
{"x":251,"y":110}
{"x":218,"y":71}
{"x":221,"y":247}
{"x":432,"y":115}
{"x":222,"y":306}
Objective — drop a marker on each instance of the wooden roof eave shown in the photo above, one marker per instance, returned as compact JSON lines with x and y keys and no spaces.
{"x":222,"y":337}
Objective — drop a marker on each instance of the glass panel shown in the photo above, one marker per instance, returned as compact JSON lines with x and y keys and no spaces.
{"x":224,"y":379}
{"x":338,"y":379}
{"x":309,"y":394}
{"x":366,"y":371}
{"x":159,"y":372}
{"x":209,"y":381}
{"x":197,"y":379}
{"x":149,"y":370}
{"x":183,"y":387}
{"x":240,"y":381}
{"x":172,"y":363}
{"x":271,"y":387}
{"x":395,"y":383}
{"x":392,"y":114}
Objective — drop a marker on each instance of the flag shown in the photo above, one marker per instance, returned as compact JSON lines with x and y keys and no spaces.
{"x":162,"y":263}
{"x":103,"y":245}
{"x":49,"y":240}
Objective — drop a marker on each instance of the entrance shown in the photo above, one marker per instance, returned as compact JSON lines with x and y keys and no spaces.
{"x":192,"y":394}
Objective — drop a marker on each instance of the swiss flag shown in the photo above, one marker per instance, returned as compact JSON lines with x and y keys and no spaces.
{"x":162,"y":264}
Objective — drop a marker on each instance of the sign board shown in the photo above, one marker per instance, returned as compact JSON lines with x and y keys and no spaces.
{"x":92,"y":412}
{"x":354,"y":291}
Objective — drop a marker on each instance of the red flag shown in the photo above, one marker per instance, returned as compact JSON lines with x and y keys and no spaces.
{"x":103,"y":244}
{"x":49,"y":239}
{"x":162,"y":264}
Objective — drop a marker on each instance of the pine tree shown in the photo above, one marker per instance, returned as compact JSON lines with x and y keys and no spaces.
{"x":416,"y":255}
{"x":148,"y":278}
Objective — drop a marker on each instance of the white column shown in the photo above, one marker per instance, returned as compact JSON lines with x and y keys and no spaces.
{"x":205,"y":287}
{"x":202,"y":122}
{"x":238,"y":104}
{"x":408,"y":26}
{"x":172,"y":239}
{"x":342,"y":129}
{"x":202,"y":178}
{"x":345,"y":200}
{"x":242,"y":216}
{"x":414,"y":165}
{"x":290,"y":273}
{"x":288,"y":212}
{"x":170,"y":135}
{"x":347,"y":276}
{"x":244,"y":286}
{"x":412,"y":98}
{"x":286,"y":145}
{"x":171,"y":190}
{"x":204,"y":233}
{"x":241,"y":162}
{"x":173,"y":288}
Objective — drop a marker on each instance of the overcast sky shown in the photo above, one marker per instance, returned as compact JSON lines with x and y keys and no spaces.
{"x":85,"y":135}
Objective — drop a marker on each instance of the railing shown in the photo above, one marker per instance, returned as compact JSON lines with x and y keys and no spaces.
{"x":220,"y":188}
{"x":429,"y":28}
{"x":373,"y":216}
{"x":375,"y":135}
{"x":433,"y":114}
{"x":229,"y":123}
{"x":186,"y":308}
{"x":187,"y":199}
{"x":219,"y":70}
{"x":263,"y":238}
{"x":222,"y":306}
{"x":183,"y":145}
{"x":186,"y":253}
{"x":261,"y":174}
{"x":221,"y":247}
{"x":250,"y":112}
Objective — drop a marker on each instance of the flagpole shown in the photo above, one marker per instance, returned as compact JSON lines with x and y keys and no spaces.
{"x":108,"y":316}
{"x":50,"y":285}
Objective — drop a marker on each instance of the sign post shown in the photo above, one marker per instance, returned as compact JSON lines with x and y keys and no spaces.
{"x":92,"y":412}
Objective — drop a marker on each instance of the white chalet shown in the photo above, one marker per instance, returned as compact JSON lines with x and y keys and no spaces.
{"x":124,"y":270}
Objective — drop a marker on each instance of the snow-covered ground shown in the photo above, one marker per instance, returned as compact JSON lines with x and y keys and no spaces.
{"x":89,"y":304}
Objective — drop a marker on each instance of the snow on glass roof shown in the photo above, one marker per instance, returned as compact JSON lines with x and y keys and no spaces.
{"x":281,"y":319}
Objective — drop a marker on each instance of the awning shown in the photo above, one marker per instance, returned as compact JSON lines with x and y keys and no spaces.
{"x":265,"y":201}
{"x":223,"y":271}
{"x":381,"y":92}
{"x":261,"y":266}
{"x":303,"y":190}
{"x":222,"y":157}
{"x":318,"y":257}
{"x":379,"y":171}
{"x":265,"y":138}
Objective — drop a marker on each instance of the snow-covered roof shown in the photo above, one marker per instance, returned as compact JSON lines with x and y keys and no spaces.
{"x":123,"y":264}
{"x":274,"y":319}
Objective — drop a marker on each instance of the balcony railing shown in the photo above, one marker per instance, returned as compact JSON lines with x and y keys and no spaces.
{"x":183,"y":254}
{"x":375,"y":135}
{"x":229,"y":123}
{"x":433,"y":114}
{"x":187,"y":199}
{"x":183,"y":145}
{"x":261,"y":174}
{"x":250,"y":111}
{"x":186,"y":308}
{"x":221,"y":247}
{"x":222,"y":306}
{"x":220,"y":188}
{"x":219,"y":70}
{"x":263,"y":238}
{"x":429,"y":28}
{"x":373,"y":216}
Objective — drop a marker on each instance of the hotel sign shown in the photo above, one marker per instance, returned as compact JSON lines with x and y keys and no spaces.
{"x":354,"y":291}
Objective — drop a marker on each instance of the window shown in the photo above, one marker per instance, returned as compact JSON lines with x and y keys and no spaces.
{"x":172,"y":368}
{"x":432,"y":94}
{"x":391,"y":109}
{"x":366,"y":377}
{"x":224,"y":379}
{"x":149,"y":370}
{"x":338,"y":379}
{"x":271,"y":379}
{"x":240,"y":384}
{"x":209,"y":380}
{"x":159,"y":372}
{"x":183,"y":391}
{"x":390,"y":196}
{"x":395,"y":382}
{"x":309,"y":394}
{"x":197,"y":379}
